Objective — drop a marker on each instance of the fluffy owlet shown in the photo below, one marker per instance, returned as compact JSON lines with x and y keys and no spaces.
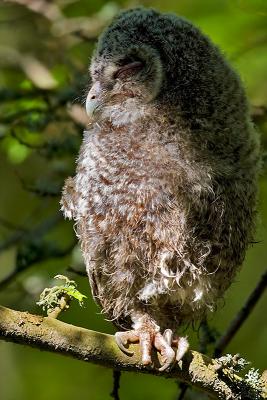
{"x":164,"y":194}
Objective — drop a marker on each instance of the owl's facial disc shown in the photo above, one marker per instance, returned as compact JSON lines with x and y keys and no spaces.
{"x":105,"y":89}
{"x":131,"y":80}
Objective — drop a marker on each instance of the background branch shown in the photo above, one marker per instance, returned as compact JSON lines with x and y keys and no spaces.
{"x":241,"y":317}
{"x":49,"y":253}
{"x":235,"y":325}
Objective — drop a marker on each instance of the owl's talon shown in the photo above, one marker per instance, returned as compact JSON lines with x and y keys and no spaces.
{"x":121,"y":342}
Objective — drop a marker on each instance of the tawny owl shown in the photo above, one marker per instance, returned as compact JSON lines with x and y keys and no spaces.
{"x":164,"y":195}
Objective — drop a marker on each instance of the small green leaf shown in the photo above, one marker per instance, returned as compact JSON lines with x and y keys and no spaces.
{"x":50,"y":298}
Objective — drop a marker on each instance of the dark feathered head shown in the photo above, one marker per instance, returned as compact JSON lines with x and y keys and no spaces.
{"x":165,"y":60}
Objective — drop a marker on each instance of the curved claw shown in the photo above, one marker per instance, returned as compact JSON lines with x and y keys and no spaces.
{"x":121,"y":344}
{"x":166,"y":365}
{"x":169,"y":361}
{"x":182,"y":348}
{"x":168,"y":336}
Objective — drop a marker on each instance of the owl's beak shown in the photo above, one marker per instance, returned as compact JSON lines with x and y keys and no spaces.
{"x":93,"y":99}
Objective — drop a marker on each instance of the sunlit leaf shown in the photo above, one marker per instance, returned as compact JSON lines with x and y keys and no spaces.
{"x":16,"y":152}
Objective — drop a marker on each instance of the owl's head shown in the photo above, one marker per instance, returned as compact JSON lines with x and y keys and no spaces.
{"x":145,"y":57}
{"x":125,"y":70}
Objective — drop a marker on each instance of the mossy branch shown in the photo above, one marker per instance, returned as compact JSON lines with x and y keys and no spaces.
{"x":52,"y":335}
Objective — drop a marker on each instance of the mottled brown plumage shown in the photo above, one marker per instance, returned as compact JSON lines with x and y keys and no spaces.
{"x":165,"y":189}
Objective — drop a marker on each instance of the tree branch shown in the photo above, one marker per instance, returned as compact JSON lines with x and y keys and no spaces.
{"x":52,"y":335}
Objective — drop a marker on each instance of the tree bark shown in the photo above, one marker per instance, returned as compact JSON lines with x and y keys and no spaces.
{"x":52,"y":335}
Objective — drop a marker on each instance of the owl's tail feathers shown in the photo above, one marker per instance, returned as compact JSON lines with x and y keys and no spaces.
{"x":147,"y":333}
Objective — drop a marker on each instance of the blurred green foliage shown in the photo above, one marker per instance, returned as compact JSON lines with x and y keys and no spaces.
{"x":45,"y":48}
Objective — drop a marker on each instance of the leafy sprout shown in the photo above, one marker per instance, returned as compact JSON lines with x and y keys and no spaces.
{"x":57,"y":298}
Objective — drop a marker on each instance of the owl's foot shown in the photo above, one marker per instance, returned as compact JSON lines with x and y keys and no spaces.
{"x":147,"y":333}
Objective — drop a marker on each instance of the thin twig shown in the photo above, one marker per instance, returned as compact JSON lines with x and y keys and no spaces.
{"x":55,"y":253}
{"x":183,"y":386}
{"x":77,"y":271}
{"x":116,"y":384}
{"x":12,"y":240}
{"x":39,"y":230}
{"x":241,"y":317}
{"x":82,"y":35}
{"x":9,"y":225}
{"x":63,"y":305}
